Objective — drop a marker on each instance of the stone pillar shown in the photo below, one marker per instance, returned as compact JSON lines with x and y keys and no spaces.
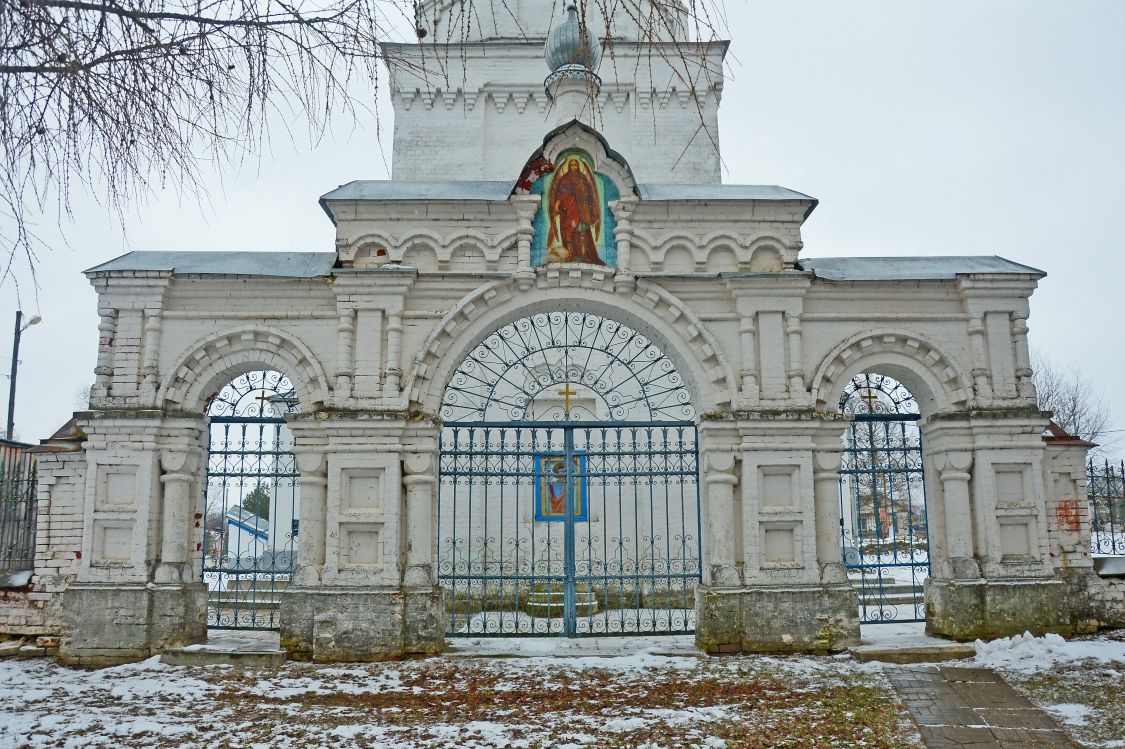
{"x":348,"y":601}
{"x":526,"y":207}
{"x":622,"y":211}
{"x":826,"y":499}
{"x":177,"y":480}
{"x":313,"y":510}
{"x":394,"y":353}
{"x":345,"y":345}
{"x":980,"y":360}
{"x":749,"y":344}
{"x":792,"y":594}
{"x":953,"y":472}
{"x":153,"y":326}
{"x":103,"y":371}
{"x":795,"y":370}
{"x":420,"y":482}
{"x":1024,"y":382}
{"x":720,"y":480}
{"x":137,"y":592}
{"x":990,"y":575}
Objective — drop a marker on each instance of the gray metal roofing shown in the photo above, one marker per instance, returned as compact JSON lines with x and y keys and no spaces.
{"x":393,"y":189}
{"x":911,"y":268}
{"x":313,"y":264}
{"x":276,"y":264}
{"x":719,"y":192}
{"x":388,"y":189}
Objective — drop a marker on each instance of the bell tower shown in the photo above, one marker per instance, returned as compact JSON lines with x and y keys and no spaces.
{"x":470,"y":101}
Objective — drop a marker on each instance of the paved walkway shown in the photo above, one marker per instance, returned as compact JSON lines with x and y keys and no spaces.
{"x":955,"y":706}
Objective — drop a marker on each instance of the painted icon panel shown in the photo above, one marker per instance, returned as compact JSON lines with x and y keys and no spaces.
{"x":550,"y":489}
{"x":574,"y":224}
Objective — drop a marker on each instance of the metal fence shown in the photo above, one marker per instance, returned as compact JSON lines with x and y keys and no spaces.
{"x":17,"y":506}
{"x":1106,"y":489}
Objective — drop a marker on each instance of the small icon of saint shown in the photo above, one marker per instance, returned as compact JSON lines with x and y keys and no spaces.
{"x":574,"y":213}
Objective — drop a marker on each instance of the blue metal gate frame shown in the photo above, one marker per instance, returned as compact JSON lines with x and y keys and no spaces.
{"x":880,"y":474}
{"x":502,"y":581}
{"x":248,"y":557}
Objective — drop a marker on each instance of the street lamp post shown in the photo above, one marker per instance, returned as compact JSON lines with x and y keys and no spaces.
{"x":20,"y":328}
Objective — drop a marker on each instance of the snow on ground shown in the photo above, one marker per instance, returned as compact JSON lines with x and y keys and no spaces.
{"x":1028,"y":654}
{"x":1078,"y":681}
{"x":627,"y":692}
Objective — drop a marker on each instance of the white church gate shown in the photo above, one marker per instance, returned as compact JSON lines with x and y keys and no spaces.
{"x":883,"y":518}
{"x":250,"y":527}
{"x":569,"y":493}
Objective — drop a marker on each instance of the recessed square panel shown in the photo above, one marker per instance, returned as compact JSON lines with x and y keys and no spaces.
{"x":117,"y":486}
{"x":361,"y":545}
{"x":777,"y":546}
{"x":113,"y":542}
{"x":1010,"y":485}
{"x":777,"y":486}
{"x":1015,"y":538}
{"x":363,"y":491}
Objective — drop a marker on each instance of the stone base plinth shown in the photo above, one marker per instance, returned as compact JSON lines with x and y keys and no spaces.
{"x":361,"y":624}
{"x":1095,"y":602}
{"x":989,"y":608}
{"x":777,"y":619}
{"x":108,"y":624}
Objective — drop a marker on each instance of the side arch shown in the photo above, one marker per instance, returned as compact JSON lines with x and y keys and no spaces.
{"x":650,"y":310}
{"x":214,"y":360}
{"x":935,"y":380}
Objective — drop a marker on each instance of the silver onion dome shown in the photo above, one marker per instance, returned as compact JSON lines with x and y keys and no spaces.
{"x":565,"y":45}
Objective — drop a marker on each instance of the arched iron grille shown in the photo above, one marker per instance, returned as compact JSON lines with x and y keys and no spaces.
{"x":883,"y":522}
{"x":568,"y":498}
{"x":250,"y":528}
{"x":622,"y":373}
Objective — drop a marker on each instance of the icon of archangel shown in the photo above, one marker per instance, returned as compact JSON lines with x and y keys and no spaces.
{"x":550,"y":491}
{"x":574,"y":224}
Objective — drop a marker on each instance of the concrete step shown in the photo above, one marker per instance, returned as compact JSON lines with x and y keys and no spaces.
{"x":259,"y":586}
{"x":259,"y":604}
{"x":203,"y":655}
{"x":551,"y":603}
{"x":912,"y":654}
{"x":894,"y":600}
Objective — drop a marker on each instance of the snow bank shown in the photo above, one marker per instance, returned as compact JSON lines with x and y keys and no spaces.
{"x":1028,"y":654}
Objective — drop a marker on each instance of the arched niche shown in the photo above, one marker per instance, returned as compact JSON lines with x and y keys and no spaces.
{"x":212,"y":362}
{"x":652,"y":311}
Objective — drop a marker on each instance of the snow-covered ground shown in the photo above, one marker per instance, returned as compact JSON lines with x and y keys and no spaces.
{"x":630,"y":692}
{"x":1081,"y":682}
{"x":538,"y":692}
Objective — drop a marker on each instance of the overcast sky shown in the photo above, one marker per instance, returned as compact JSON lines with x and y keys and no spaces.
{"x":951,"y":128}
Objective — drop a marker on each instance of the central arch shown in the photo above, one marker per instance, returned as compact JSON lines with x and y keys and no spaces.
{"x":568,"y":496}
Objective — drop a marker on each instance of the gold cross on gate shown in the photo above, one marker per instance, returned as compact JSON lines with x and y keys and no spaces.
{"x":262,"y":399}
{"x":566,"y":392}
{"x":871,"y":397}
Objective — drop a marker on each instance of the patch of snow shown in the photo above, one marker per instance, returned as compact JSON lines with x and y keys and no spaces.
{"x":1070,"y":713}
{"x":619,"y":725}
{"x":1028,"y":654}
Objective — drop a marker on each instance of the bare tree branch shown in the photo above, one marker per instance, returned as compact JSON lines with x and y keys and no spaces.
{"x":1072,"y":399}
{"x":121,"y":98}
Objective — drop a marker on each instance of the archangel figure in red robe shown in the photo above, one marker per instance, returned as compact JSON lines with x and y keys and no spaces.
{"x":575,"y":215}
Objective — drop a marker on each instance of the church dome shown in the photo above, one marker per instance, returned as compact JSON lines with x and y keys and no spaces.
{"x":566,"y":46}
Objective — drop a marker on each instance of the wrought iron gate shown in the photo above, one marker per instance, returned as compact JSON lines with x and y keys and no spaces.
{"x":18,"y":507}
{"x":569,"y":528}
{"x":250,"y":531}
{"x":568,"y":500}
{"x":883,"y":523}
